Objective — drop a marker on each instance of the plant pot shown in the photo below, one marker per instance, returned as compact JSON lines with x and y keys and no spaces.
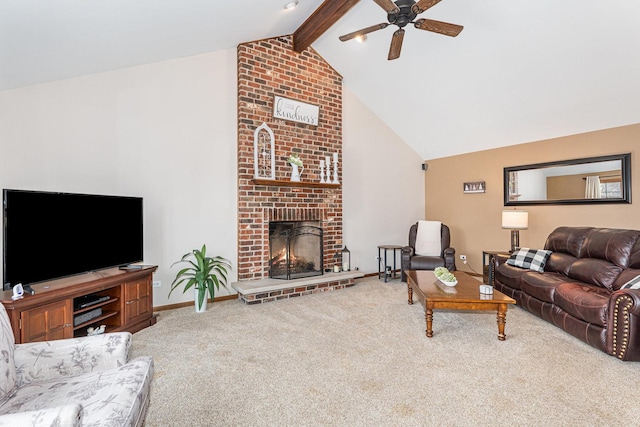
{"x":203,"y":307}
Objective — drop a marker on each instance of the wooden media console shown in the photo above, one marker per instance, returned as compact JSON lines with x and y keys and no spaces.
{"x":124,"y":303}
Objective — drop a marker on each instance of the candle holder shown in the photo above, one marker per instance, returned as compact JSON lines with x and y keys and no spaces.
{"x":335,"y":169}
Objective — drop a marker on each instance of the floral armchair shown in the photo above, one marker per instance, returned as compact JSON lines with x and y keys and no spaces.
{"x":72,"y":382}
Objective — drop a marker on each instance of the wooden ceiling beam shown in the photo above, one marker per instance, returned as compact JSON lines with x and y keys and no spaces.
{"x":320,"y":21}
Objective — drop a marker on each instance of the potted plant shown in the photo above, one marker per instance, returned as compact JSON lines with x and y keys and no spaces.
{"x":203,"y":273}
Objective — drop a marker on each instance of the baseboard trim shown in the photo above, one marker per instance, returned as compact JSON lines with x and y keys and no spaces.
{"x":191,"y":303}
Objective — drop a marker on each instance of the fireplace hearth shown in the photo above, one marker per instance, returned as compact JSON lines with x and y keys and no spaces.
{"x":295,"y":249}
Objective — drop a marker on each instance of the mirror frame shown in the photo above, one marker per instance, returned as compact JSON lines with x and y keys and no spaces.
{"x":626,"y":181}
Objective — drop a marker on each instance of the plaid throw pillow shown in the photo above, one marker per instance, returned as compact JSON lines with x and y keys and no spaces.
{"x":632,"y":284}
{"x":533,"y":259}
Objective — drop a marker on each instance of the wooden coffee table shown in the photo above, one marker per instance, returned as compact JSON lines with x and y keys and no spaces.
{"x":433,"y":294}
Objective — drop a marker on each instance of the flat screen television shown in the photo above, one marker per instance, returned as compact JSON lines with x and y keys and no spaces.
{"x":49,"y":235}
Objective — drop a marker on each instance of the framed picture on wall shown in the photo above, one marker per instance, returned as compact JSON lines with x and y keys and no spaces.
{"x":473,"y":187}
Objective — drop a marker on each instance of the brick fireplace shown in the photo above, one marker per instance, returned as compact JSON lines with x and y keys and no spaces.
{"x":268,"y":68}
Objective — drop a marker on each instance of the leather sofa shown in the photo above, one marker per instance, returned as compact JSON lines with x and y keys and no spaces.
{"x":580,"y":289}
{"x":411,"y":261}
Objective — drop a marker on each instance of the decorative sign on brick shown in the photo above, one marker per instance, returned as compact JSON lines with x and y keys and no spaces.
{"x":289,"y":109}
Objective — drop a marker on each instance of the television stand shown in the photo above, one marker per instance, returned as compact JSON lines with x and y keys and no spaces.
{"x":124,"y":302}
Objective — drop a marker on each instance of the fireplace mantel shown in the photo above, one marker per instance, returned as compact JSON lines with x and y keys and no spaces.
{"x":284,"y":183}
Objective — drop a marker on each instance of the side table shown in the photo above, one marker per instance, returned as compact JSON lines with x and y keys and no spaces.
{"x":488,"y":265}
{"x":384,"y":268}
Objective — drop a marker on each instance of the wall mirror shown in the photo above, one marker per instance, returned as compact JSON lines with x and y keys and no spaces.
{"x":604,"y":179}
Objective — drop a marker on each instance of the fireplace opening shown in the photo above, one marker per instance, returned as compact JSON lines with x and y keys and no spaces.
{"x":295,"y":249}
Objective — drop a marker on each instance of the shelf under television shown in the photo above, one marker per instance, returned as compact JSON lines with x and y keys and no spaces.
{"x":94,"y":306}
{"x":105,"y":315}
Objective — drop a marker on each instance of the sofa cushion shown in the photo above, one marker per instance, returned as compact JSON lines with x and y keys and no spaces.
{"x":560,"y":262}
{"x":8,"y":374}
{"x":113,"y":397}
{"x":426,"y":262}
{"x":595,"y":271}
{"x":533,"y":259}
{"x":634,"y":256}
{"x":541,"y":286}
{"x":611,"y":245}
{"x":584,"y":302}
{"x":567,"y":239}
{"x":509,"y":275}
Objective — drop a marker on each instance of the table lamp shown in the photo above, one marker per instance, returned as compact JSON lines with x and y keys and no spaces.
{"x":515,"y":221}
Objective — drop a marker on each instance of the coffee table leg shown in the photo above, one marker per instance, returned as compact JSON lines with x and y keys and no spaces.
{"x":428,"y":315}
{"x":409,"y":293}
{"x":502,"y":319}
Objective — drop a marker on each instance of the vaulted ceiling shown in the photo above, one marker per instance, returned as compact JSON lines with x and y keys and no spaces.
{"x":518,"y":72}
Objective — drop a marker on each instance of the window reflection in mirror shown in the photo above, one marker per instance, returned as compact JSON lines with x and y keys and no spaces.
{"x":603,"y":179}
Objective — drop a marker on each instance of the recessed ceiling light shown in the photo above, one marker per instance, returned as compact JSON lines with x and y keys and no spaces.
{"x":291,"y":5}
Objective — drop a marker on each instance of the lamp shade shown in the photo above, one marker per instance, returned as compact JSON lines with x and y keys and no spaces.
{"x":515,"y":219}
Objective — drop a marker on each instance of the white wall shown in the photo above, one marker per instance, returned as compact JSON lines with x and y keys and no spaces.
{"x":164,"y":131}
{"x":167,"y":132}
{"x":383,"y":185}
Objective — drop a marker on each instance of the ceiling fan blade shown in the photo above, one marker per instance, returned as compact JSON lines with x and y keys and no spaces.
{"x":363,"y":31}
{"x":396,"y":44}
{"x":445,"y":28}
{"x":423,"y":5}
{"x":388,"y":5}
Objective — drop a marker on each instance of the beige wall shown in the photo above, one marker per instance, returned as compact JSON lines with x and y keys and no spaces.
{"x":475,"y":218}
{"x":383,"y":185}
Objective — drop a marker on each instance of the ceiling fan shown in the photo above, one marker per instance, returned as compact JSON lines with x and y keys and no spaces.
{"x":401,"y":13}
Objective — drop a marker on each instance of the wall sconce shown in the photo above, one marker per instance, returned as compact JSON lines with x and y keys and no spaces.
{"x":515,"y":220}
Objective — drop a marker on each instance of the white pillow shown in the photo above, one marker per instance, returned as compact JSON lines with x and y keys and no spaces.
{"x":428,"y":238}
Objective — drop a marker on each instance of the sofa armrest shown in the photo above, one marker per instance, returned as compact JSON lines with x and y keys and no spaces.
{"x":500,"y":259}
{"x":624,"y":318}
{"x":61,"y":416}
{"x":450,"y":259}
{"x":48,"y":360}
{"x":405,"y":257}
{"x":405,"y":261}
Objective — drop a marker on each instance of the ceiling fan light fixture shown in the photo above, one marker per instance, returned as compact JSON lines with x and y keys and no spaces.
{"x":361,"y":38}
{"x":290,"y":5}
{"x":402,"y":13}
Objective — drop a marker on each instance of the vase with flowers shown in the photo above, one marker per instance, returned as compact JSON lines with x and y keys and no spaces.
{"x":296,"y":166}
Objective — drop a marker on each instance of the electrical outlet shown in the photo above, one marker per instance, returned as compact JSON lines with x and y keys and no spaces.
{"x":157,"y":283}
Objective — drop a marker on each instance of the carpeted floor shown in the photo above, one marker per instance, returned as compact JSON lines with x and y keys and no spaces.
{"x":359,"y":357}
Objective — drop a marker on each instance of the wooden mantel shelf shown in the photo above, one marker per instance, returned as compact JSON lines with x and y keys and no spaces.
{"x":284,"y":183}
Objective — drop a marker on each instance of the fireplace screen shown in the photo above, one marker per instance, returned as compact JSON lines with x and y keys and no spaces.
{"x":295,"y":249}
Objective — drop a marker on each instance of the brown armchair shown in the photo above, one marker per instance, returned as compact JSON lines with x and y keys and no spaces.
{"x":411,"y":261}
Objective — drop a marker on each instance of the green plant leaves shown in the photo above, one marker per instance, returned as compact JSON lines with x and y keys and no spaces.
{"x":203,"y":272}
